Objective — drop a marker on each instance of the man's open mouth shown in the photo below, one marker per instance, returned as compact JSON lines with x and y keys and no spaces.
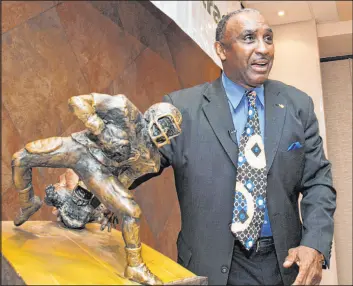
{"x":260,"y":66}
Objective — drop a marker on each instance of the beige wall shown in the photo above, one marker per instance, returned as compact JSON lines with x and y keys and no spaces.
{"x":297,"y":63}
{"x":337,"y":90}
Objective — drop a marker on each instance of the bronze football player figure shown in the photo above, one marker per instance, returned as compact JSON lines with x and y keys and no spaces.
{"x":119,"y":145}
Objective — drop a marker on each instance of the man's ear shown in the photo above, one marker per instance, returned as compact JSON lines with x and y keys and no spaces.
{"x":220,"y":51}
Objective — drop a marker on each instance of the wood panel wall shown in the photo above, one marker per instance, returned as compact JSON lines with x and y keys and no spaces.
{"x":52,"y":50}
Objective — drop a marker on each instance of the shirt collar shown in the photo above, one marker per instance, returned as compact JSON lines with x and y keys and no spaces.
{"x":235,"y":92}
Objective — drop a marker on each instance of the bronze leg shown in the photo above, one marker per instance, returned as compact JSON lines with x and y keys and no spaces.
{"x":115,"y":197}
{"x":118,"y":199}
{"x":22,"y":163}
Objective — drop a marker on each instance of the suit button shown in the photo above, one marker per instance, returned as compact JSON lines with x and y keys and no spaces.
{"x":224,"y":269}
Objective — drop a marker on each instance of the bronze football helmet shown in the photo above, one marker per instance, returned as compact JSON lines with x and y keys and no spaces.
{"x":164,"y":121}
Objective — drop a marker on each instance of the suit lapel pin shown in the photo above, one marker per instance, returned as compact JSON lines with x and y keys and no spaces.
{"x":280,"y":105}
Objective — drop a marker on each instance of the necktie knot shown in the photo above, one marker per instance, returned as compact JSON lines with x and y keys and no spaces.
{"x":251,"y":95}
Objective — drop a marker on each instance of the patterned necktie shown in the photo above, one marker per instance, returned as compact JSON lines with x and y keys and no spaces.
{"x":250,"y":189}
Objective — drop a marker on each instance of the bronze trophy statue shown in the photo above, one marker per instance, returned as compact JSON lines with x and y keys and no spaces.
{"x":119,"y":145}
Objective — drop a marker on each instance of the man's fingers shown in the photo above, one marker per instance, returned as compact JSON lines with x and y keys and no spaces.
{"x":316,"y":280}
{"x":71,"y":179}
{"x":313,"y":277}
{"x":290,"y":259}
{"x":62,"y":180}
{"x":301,"y":277}
{"x":288,"y":263}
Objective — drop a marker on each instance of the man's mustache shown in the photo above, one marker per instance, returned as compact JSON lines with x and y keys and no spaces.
{"x":265,"y":59}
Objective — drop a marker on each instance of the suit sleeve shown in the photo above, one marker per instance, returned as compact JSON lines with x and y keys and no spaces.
{"x":166,"y":153}
{"x":319,"y":197}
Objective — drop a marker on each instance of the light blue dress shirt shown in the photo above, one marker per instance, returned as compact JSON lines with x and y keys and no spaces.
{"x":239,"y":109}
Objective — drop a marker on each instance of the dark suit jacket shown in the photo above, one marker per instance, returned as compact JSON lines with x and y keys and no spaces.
{"x":204,"y":159}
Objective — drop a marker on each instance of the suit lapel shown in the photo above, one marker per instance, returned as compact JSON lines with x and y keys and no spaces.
{"x":275,"y":113}
{"x":218,"y":114}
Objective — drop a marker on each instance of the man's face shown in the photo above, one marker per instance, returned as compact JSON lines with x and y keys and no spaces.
{"x":247,"y":49}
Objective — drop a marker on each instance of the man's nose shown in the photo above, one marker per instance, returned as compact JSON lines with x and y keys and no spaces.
{"x":262,"y":47}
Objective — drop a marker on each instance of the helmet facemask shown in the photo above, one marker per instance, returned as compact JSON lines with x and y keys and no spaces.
{"x":162,"y":129}
{"x":163,"y":121}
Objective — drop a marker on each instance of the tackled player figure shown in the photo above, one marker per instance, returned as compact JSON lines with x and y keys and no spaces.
{"x":119,"y":145}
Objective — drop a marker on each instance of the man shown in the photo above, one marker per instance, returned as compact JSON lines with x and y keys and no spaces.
{"x":249,"y":147}
{"x":118,"y":146}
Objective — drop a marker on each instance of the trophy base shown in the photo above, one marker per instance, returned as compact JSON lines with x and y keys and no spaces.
{"x":44,"y":253}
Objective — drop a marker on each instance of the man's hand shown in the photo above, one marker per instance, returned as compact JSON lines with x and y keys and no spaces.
{"x":309,"y":261}
{"x":69,"y":179}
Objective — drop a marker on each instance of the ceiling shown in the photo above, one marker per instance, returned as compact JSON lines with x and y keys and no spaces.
{"x":333,"y":20}
{"x":297,"y":11}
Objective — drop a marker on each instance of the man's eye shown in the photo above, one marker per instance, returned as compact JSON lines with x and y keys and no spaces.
{"x":268,"y":39}
{"x":249,"y":38}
